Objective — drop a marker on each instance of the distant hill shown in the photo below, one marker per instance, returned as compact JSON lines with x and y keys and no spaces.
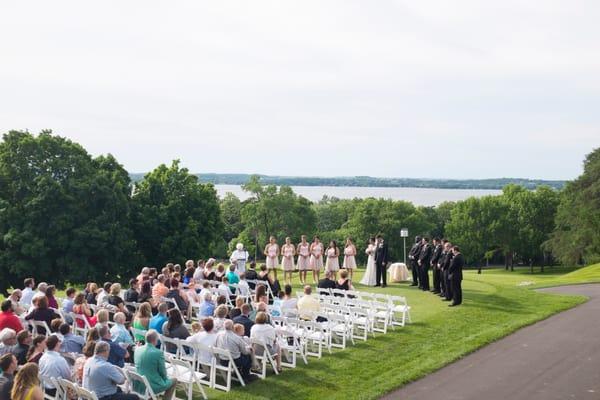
{"x":367,"y":181}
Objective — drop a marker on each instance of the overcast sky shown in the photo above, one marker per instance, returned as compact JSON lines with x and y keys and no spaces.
{"x":440,"y":89}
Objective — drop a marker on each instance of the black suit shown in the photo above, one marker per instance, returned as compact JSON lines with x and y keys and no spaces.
{"x":455,"y":275}
{"x":247,"y":322}
{"x":435,"y":259}
{"x":425,"y":259}
{"x":445,"y":266}
{"x":326,"y":283}
{"x":381,"y":260}
{"x":413,"y":255}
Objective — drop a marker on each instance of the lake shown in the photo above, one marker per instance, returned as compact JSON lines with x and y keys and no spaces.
{"x":417,"y":196}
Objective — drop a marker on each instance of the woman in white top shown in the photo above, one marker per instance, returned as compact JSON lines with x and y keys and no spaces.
{"x":370,"y":276}
{"x":206,"y":338}
{"x":289,"y":303}
{"x":266,"y":333}
{"x":303,"y":263}
{"x":272,"y":254}
{"x":349,"y":257}
{"x":239,"y":258}
{"x":220,"y":317}
{"x":316,"y":258}
{"x":288,"y":251}
{"x":333,"y":260}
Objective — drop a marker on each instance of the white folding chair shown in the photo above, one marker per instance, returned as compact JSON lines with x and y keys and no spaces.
{"x":264,"y":357}
{"x":193,"y":353}
{"x":81,"y":326}
{"x":46,"y":383}
{"x":399,"y":305}
{"x":67,"y":388}
{"x":226,"y":371}
{"x":85,"y":394}
{"x":184,"y":373}
{"x":324,"y":291}
{"x":140,"y":385}
{"x":39,"y":328}
{"x":291,"y":347}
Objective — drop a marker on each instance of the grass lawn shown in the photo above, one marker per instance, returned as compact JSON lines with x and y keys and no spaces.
{"x":494,"y":306}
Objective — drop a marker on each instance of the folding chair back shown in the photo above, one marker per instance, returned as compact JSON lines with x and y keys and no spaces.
{"x":225,"y":371}
{"x":264,"y":357}
{"x":86,"y":394}
{"x":140,"y":385}
{"x":184,"y":372}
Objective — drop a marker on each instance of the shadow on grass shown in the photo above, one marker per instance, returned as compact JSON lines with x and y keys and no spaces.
{"x":495,"y":302}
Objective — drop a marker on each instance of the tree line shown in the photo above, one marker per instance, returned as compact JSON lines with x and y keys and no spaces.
{"x":66,"y":216}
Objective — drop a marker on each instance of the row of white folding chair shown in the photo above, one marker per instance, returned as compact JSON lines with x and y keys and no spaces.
{"x":65,"y":390}
{"x":378,"y":313}
{"x":264,"y":357}
{"x":310,"y":333}
{"x":185,"y":374}
{"x":289,"y":342}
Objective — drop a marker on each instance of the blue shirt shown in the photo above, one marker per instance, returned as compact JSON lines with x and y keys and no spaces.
{"x":157,"y":322}
{"x":67,"y":305}
{"x":72,"y":343}
{"x":53,"y":365}
{"x":207,"y":309}
{"x":101,"y":377}
{"x":120,"y":334}
{"x":117,"y":353}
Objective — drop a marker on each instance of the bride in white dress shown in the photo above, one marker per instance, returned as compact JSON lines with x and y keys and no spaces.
{"x":369,"y":278}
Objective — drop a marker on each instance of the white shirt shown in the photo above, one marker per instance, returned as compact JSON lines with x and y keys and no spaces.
{"x":263,"y":332}
{"x":239,"y":257}
{"x":289,"y":307}
{"x":27,"y":296}
{"x":102,"y":297}
{"x":203,"y":294}
{"x":224,"y":290}
{"x":53,"y":365}
{"x":206,"y":339}
{"x":243,"y":288}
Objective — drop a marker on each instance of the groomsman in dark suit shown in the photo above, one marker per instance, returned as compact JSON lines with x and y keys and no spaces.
{"x":435,"y":259}
{"x":381,"y":260}
{"x":445,"y":266}
{"x":455,"y":275}
{"x":413,"y":256}
{"x":424,"y":261}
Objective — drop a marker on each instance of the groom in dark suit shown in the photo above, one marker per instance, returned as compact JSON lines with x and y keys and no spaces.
{"x":381,"y":260}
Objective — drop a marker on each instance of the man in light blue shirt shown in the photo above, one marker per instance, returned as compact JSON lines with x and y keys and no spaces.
{"x":102,"y":378}
{"x":119,"y":332}
{"x":70,"y":343}
{"x":52,"y":364}
{"x":207,"y":307}
{"x":159,"y":319}
{"x":67,"y":304}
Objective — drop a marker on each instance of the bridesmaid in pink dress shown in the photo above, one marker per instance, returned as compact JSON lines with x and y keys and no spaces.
{"x":316,"y":258}
{"x":303,"y":258}
{"x":288,"y":251}
{"x":272,"y":254}
{"x":349,"y":257}
{"x":333,"y":260}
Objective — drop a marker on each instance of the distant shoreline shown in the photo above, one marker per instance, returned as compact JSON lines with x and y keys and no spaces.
{"x":373,"y":182}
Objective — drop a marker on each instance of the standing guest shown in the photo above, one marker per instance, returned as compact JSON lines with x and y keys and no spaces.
{"x":303,"y":262}
{"x":227,"y":339}
{"x":70,"y":343}
{"x":41,"y":312}
{"x":8,"y":319}
{"x":176,"y":294}
{"x":117,"y":354}
{"x":232,"y":276}
{"x":381,"y":260}
{"x":81,"y":307}
{"x":264,"y":332}
{"x":92,"y":294}
{"x":26,"y":385}
{"x":272,"y":254}
{"x":289,"y":303}
{"x":207,"y":338}
{"x":333,"y":258}
{"x":150,"y":362}
{"x":36,"y":351}
{"x":413,"y":256}
{"x":436,"y":271}
{"x":157,"y":321}
{"x":239,"y":257}
{"x":244,"y":319}
{"x":69,"y":301}
{"x":102,"y":377}
{"x":50,"y":292}
{"x":102,"y":297}
{"x":15,"y":298}
{"x":88,"y":352}
{"x":174,"y":329}
{"x":132,"y":294}
{"x":328,"y":282}
{"x":424,"y":261}
{"x":252,"y":275}
{"x":288,"y":251}
{"x":28,"y":292}
{"x":141,"y":321}
{"x":350,"y":257}
{"x":316,"y":258}
{"x":344,"y":283}
{"x":53,"y":365}
{"x":160,"y":290}
{"x":8,"y":366}
{"x":119,"y":332}
{"x":308,"y":304}
{"x":20,"y":351}
{"x":455,"y":275}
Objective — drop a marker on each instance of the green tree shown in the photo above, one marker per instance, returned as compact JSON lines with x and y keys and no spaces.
{"x":575,"y":238}
{"x":174,"y":216}
{"x":231,"y":210}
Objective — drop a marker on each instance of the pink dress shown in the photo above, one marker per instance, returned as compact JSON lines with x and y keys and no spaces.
{"x":349,"y":260}
{"x":316,"y":263}
{"x":303,"y":257}
{"x":272,"y":261}
{"x":287,"y":261}
{"x":333,"y":263}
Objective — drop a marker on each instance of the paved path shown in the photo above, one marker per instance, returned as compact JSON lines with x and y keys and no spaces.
{"x":558,"y":358}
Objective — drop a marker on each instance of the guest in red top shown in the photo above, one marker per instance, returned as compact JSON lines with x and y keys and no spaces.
{"x":8,"y":319}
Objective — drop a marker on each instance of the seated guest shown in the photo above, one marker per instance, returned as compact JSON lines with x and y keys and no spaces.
{"x":144,"y":275}
{"x":27,"y":294}
{"x":26,"y":385}
{"x":207,"y":307}
{"x":220,"y":316}
{"x":114,"y":298}
{"x":50,"y":292}
{"x":327,"y":282}
{"x":103,"y":318}
{"x":81,"y":307}
{"x":199,"y":272}
{"x":131,"y":295}
{"x":24,"y":340}
{"x":40,"y":292}
{"x":147,"y":296}
{"x":8,"y":319}
{"x":70,"y":343}
{"x":69,"y":301}
{"x":206,"y":337}
{"x":276,"y":307}
{"x":8,"y":340}
{"x":228,"y":340}
{"x":102,"y":378}
{"x":15,"y":298}
{"x":308,"y":304}
{"x":102,"y":297}
{"x":41,"y":312}
{"x":36,"y":350}
{"x":232,"y":276}
{"x":120,"y":333}
{"x":150,"y":362}
{"x":176,"y":294}
{"x":88,"y":352}
{"x":263,"y":275}
{"x":251,"y":274}
{"x":157,"y":321}
{"x":55,"y":324}
{"x":237,"y":310}
{"x":8,"y":366}
{"x":53,"y":365}
{"x":209,"y":273}
{"x":174,"y":329}
{"x":261,"y":294}
{"x":141,"y":321}
{"x":220,"y":272}
{"x":289,"y":303}
{"x":188,"y":274}
{"x":224,"y":289}
{"x":117,"y":354}
{"x":205,"y":290}
{"x":244,"y":319}
{"x":243,"y":287}
{"x":264,"y":332}
{"x":91,"y":296}
{"x":160,"y":290}
{"x":344,"y":283}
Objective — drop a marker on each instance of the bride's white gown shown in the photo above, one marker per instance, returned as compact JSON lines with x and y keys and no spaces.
{"x":370,"y":276}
